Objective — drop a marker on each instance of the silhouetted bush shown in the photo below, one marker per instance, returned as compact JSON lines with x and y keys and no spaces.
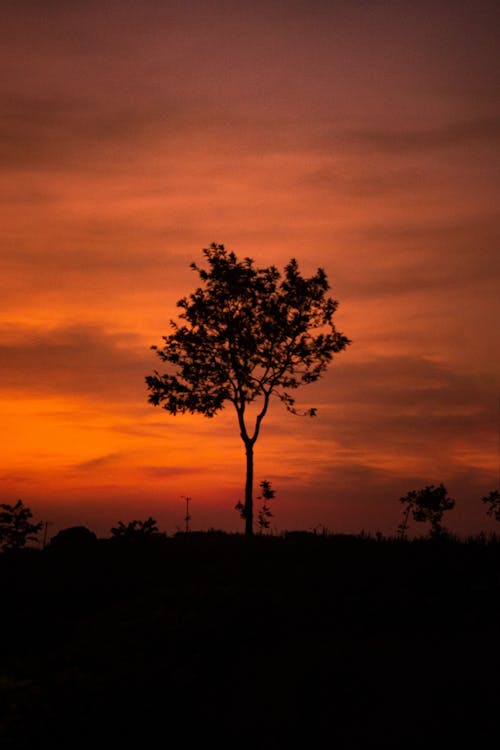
{"x":16,"y":528}
{"x":492,"y":499}
{"x":427,"y":505}
{"x":74,"y":537}
{"x":137,"y":532}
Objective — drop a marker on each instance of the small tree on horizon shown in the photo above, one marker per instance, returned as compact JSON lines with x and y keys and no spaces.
{"x":247,"y":334}
{"x":136,"y":530}
{"x":492,"y":499}
{"x":427,"y":504}
{"x":16,"y":528}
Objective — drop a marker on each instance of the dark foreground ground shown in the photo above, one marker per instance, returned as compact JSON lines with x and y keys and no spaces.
{"x":341,"y":642}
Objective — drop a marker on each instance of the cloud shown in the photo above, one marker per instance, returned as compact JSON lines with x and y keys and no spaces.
{"x":100,"y":462}
{"x":80,"y":361}
{"x":171,"y":472}
{"x":410,"y":414}
{"x":403,"y":380}
{"x":51,"y":132}
{"x":392,"y":141}
{"x":368,"y":181}
{"x":435,"y":256}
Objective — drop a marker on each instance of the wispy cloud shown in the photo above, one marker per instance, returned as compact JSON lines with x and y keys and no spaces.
{"x":99,"y":462}
{"x":82,"y":361}
{"x":171,"y":472}
{"x":480,"y":131}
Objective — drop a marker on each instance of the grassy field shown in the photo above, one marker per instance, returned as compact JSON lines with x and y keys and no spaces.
{"x":339,"y":641}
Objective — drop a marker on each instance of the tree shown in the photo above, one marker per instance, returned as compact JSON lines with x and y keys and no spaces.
{"x":16,"y":529}
{"x":247,"y":334}
{"x":493,"y":500}
{"x":427,"y":504}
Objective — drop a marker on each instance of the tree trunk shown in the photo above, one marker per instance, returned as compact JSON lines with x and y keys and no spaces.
{"x":249,"y":489}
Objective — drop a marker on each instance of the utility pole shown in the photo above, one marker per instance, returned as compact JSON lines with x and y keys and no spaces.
{"x":188,"y":516}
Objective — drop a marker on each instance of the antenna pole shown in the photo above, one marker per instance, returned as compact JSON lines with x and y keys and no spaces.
{"x":188,"y":516}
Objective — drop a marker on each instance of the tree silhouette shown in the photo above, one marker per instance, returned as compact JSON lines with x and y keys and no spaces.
{"x":427,"y":504}
{"x":247,"y":334}
{"x":16,"y":529}
{"x":136,"y":530}
{"x":493,"y":500}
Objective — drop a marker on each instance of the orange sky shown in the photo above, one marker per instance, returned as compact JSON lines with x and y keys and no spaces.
{"x":357,"y":136}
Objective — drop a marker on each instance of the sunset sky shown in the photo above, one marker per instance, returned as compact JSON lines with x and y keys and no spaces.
{"x":361,"y":137}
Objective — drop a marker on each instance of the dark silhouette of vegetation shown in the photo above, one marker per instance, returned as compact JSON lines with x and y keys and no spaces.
{"x":16,"y":527}
{"x":137,"y":531}
{"x":492,"y":499}
{"x":74,"y":537}
{"x":426,"y":505}
{"x":329,"y":637}
{"x":264,"y":514}
{"x":246,"y":335}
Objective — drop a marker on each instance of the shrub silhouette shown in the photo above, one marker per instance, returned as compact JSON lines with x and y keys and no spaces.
{"x":427,"y":504}
{"x":264,"y":515}
{"x":493,"y":500}
{"x":16,"y":529}
{"x":137,"y":531}
{"x":74,"y":537}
